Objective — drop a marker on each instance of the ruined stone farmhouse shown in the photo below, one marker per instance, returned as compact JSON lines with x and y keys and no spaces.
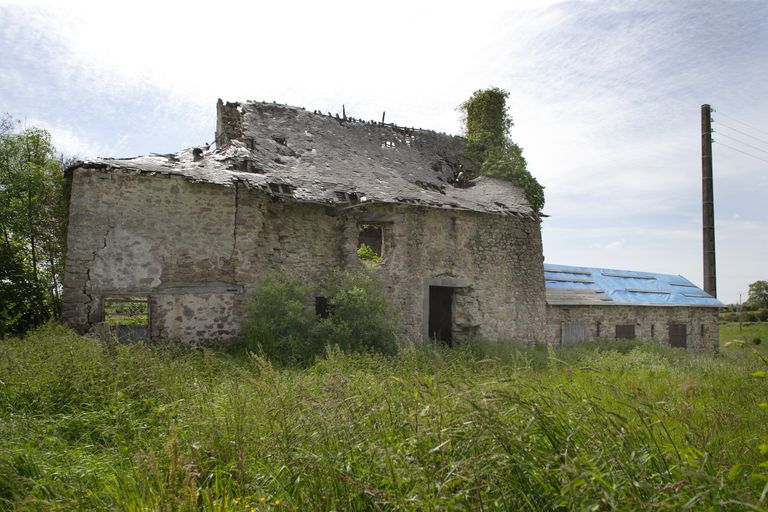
{"x":190,"y":233}
{"x":186,"y":236}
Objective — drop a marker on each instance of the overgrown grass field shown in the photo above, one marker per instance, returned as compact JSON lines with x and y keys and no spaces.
{"x":749,"y":332}
{"x":92,"y":426}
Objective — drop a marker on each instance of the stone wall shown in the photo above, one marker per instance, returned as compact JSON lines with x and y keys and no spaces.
{"x":196,"y":250}
{"x":651,"y":323}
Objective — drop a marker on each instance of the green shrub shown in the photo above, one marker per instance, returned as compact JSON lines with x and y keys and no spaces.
{"x":747,"y":316}
{"x":361,"y":318}
{"x":281,"y":322}
{"x":366,"y":254}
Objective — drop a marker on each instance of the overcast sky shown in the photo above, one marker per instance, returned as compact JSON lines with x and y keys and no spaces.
{"x":605,"y":96}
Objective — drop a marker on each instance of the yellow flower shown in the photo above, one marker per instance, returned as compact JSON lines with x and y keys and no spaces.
{"x":262,"y":499}
{"x":277,"y":502}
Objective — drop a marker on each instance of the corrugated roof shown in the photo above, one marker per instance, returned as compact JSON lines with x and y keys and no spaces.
{"x":311,"y":157}
{"x":571,"y":286}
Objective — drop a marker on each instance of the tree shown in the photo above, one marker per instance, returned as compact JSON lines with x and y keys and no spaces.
{"x":32,"y":227}
{"x":758,"y":294}
{"x":487,"y":123}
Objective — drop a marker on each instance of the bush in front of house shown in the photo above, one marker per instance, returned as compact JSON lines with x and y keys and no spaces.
{"x":360,"y":316}
{"x":282,"y":321}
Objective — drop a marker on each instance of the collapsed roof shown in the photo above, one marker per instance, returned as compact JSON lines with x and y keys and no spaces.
{"x":584,"y":286}
{"x":304,"y":156}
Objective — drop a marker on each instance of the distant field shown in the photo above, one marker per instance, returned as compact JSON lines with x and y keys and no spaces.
{"x":746,"y":331}
{"x":625,"y":425}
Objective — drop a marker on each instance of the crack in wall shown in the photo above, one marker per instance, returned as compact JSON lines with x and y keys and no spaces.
{"x":87,"y":290}
{"x":234,"y":233}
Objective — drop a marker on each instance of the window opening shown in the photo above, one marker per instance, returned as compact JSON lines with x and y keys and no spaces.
{"x":128,"y":317}
{"x":322,"y":307}
{"x":370,"y":243}
{"x":625,"y":332}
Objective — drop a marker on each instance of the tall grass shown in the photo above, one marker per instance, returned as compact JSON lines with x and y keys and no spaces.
{"x":85,"y":426}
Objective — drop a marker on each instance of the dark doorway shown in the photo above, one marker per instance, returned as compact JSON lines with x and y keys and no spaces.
{"x":678,"y":335}
{"x":441,"y":314}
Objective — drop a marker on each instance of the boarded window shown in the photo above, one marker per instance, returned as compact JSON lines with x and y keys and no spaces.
{"x":573,"y":332}
{"x":678,"y":335}
{"x":625,"y":332}
{"x":127,"y":317}
{"x":372,"y":236}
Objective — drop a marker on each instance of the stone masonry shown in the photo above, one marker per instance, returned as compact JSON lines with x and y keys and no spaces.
{"x":193,"y":236}
{"x":651,"y":323}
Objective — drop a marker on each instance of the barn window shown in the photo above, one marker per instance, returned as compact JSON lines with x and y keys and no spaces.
{"x":127,"y":317}
{"x":625,"y":332}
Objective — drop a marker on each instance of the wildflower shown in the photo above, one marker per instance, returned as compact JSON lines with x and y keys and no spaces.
{"x":262,"y":499}
{"x":277,"y":502}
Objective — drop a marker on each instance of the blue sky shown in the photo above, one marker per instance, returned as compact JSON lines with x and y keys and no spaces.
{"x":605,"y":96}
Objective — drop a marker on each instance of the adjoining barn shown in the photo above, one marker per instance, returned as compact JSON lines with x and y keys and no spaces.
{"x":177,"y":242}
{"x":604,"y":304}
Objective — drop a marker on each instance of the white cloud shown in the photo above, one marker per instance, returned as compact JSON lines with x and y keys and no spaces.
{"x":67,"y":141}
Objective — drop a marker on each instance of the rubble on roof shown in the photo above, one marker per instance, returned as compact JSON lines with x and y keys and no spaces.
{"x":310,"y":157}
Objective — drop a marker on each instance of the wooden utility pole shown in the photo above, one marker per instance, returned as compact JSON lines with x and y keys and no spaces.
{"x":707,"y":202}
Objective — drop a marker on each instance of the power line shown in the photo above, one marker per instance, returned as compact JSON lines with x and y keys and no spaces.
{"x":741,"y":132}
{"x":740,"y":141}
{"x":761,"y":130}
{"x":740,"y":151}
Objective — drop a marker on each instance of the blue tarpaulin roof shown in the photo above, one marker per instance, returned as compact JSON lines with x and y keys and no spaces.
{"x":569,"y":285}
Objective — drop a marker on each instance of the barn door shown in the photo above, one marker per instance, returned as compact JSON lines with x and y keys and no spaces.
{"x":678,"y":335}
{"x":573,"y":332}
